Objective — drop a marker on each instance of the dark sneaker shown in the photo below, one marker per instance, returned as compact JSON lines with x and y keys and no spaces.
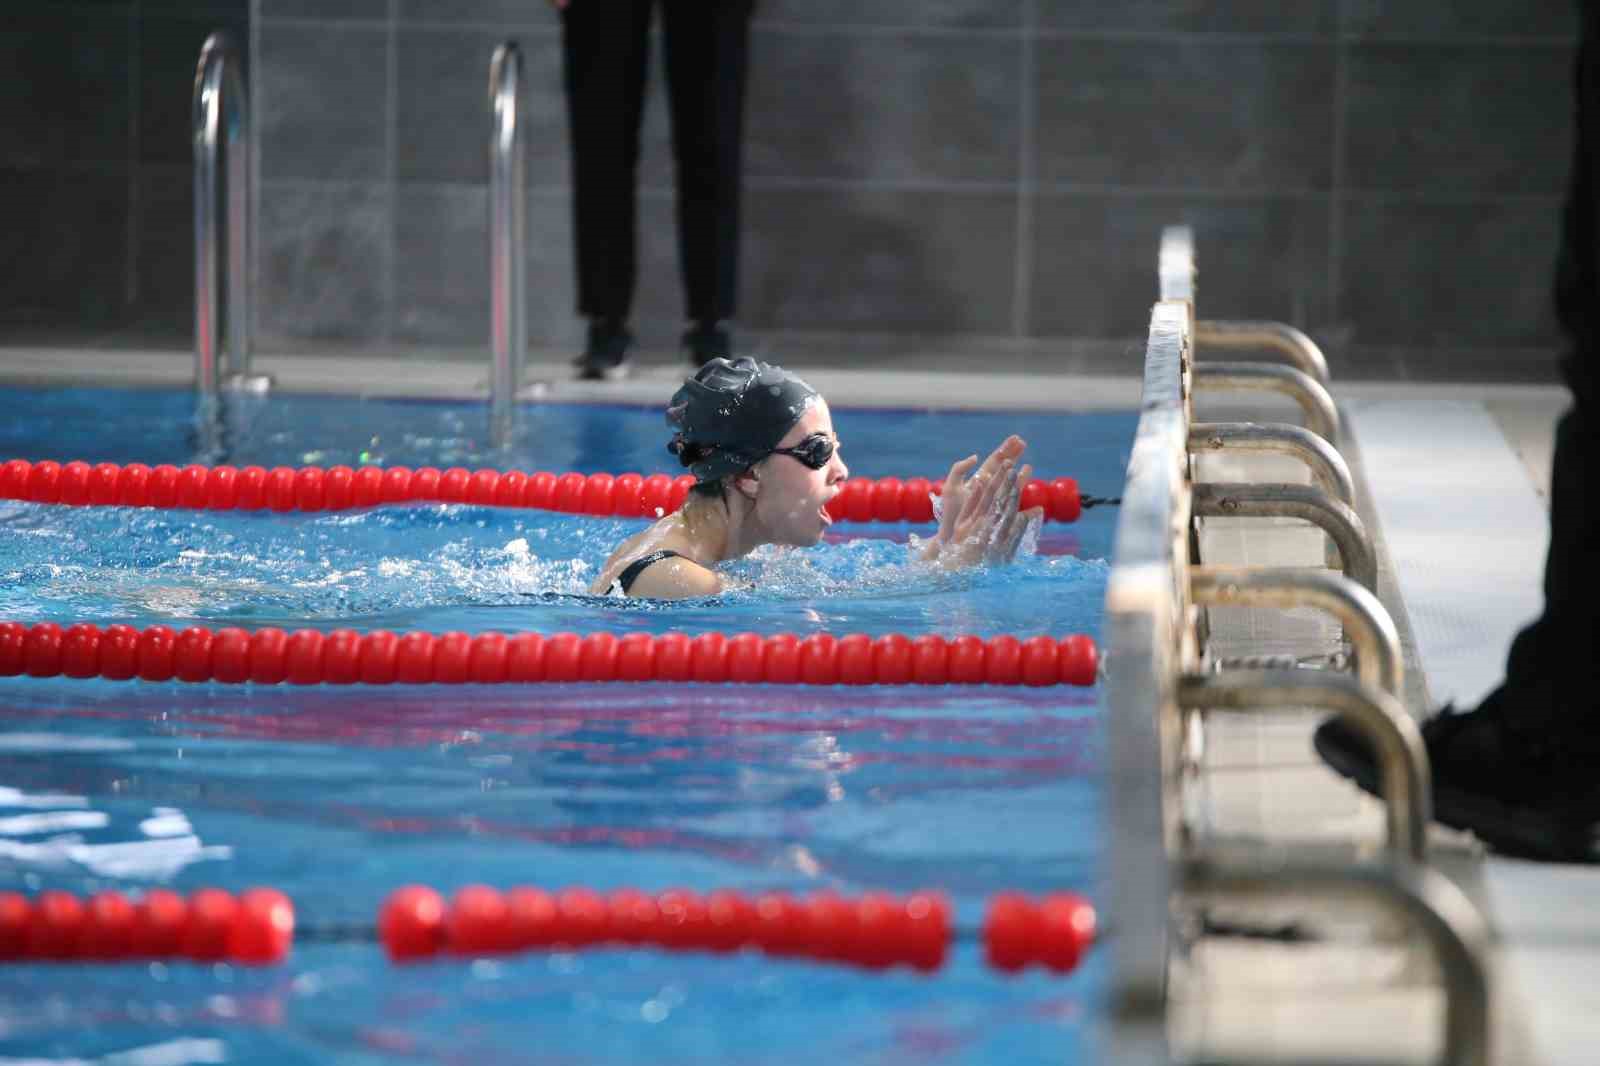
{"x":703,"y":343}
{"x":1538,"y":807}
{"x":606,"y":356}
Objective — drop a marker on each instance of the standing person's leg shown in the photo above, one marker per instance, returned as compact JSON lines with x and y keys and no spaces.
{"x":1554,"y":665}
{"x":1549,"y":703}
{"x":605,"y":54}
{"x":1518,"y":769}
{"x":707,"y":45}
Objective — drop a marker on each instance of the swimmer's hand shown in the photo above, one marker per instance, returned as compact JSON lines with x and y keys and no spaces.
{"x":979,"y":521}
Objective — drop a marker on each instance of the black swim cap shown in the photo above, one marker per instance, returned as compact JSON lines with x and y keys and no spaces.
{"x":732,"y":413}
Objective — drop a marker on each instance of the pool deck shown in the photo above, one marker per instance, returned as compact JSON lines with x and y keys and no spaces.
{"x":1358,"y":996}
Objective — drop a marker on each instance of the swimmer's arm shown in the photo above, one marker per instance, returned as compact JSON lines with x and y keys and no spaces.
{"x":981,"y":522}
{"x":677,"y":578}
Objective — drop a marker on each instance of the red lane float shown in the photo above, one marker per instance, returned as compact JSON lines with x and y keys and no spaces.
{"x":875,"y":931}
{"x":339,"y":488}
{"x":211,"y":925}
{"x":1053,"y":932}
{"x":345,"y":657}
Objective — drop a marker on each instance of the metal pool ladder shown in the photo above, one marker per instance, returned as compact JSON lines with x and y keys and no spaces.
{"x":221,"y":111}
{"x":508,"y":316}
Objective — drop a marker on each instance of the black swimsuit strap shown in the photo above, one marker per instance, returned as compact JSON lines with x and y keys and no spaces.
{"x":631,"y":572}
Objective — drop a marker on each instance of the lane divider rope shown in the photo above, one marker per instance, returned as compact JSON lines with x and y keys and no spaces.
{"x":874,"y":931}
{"x":272,"y":656}
{"x":339,"y":488}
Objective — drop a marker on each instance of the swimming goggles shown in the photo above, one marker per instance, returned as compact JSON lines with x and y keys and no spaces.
{"x":816,"y":451}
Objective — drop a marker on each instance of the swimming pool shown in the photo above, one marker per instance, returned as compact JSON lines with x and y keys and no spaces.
{"x":337,"y":795}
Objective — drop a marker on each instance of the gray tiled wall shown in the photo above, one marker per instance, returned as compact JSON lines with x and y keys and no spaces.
{"x":1386,"y":175}
{"x":1366,"y":170}
{"x":96,"y":189}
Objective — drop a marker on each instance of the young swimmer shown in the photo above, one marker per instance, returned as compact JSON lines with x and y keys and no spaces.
{"x":761,"y":445}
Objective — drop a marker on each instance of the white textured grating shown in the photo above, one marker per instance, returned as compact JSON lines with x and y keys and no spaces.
{"x":1466,"y":532}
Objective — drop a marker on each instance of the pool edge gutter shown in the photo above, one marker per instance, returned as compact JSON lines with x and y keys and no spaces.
{"x":551,"y":382}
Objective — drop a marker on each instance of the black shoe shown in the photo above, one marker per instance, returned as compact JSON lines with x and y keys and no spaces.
{"x":703,"y":343}
{"x":1537,"y":806}
{"x":606,"y":356}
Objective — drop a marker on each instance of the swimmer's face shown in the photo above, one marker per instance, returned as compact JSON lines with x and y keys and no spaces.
{"x":789,"y":495}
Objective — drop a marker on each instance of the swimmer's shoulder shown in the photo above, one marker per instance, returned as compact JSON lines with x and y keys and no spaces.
{"x":620,"y":557}
{"x":675,"y":577}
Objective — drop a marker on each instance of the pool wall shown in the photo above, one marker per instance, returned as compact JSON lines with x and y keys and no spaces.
{"x":1145,"y":628}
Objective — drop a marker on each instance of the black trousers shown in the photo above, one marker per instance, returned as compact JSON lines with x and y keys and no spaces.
{"x":606,"y":52}
{"x":1551,"y":695}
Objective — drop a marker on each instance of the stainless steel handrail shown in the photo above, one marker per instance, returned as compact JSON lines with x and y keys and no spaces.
{"x":1457,"y":931}
{"x":1278,"y":337}
{"x":1402,"y":760}
{"x":1322,"y":417}
{"x":1371,"y":630}
{"x":508,"y":321}
{"x":220,"y":109}
{"x":1329,"y":471}
{"x":1338,"y":520}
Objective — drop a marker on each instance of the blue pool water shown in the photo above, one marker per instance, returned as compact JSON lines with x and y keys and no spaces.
{"x":337,"y":795}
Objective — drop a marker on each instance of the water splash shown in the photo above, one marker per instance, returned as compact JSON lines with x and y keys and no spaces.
{"x":460,"y":566}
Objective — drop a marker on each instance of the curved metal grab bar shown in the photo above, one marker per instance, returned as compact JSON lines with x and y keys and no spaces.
{"x":1371,"y":630}
{"x":1279,"y":337}
{"x":1456,"y":929}
{"x":220,"y":108}
{"x":1402,"y":760}
{"x":1296,"y":501}
{"x":1322,"y":418}
{"x":1329,"y":471}
{"x":508,"y":319}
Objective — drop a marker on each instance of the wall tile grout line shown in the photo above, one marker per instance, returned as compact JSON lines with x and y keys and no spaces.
{"x":1022,"y":294}
{"x":1184,"y":37}
{"x":257,"y":311}
{"x":1464,"y":198}
{"x":866,"y":29}
{"x":1460,"y":40}
{"x":1446,"y":197}
{"x":1442,"y":40}
{"x":1336,"y":201}
{"x":470,"y":26}
{"x":313,"y":184}
{"x":130,"y":293}
{"x":391,"y":160}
